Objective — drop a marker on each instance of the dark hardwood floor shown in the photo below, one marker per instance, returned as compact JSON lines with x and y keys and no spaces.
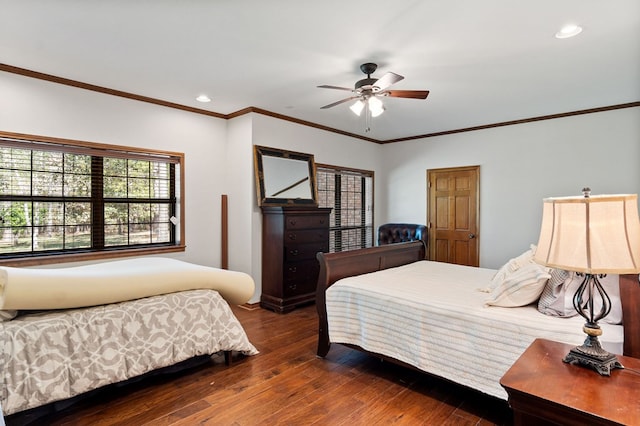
{"x":284,"y":384}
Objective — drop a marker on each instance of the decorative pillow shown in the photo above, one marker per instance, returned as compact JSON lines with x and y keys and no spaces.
{"x":554,"y":297}
{"x":526,"y":257}
{"x":7,"y":314}
{"x":520,"y":288}
{"x":557,"y":296}
{"x":510,"y":267}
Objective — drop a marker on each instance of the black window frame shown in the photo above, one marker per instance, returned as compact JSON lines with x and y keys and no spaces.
{"x":339,"y":232}
{"x":172,"y":162}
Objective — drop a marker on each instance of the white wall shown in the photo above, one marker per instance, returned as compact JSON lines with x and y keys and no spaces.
{"x":42,"y":108}
{"x":519,"y":165}
{"x":245,"y":227}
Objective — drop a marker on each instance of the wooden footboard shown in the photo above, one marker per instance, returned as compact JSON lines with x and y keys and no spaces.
{"x":334,"y":266}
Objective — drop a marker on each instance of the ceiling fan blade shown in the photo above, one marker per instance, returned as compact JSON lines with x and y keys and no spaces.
{"x":326,"y":86}
{"x":387,"y":80}
{"x":413,"y":94}
{"x":339,"y":102}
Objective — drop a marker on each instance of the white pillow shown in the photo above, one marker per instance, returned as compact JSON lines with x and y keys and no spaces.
{"x":521,"y":288}
{"x":510,"y":267}
{"x":505,"y":270}
{"x":557,"y":296}
{"x":526,"y":257}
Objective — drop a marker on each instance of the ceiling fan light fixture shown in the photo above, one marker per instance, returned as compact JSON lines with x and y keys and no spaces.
{"x":377,"y":112}
{"x":375,"y":106}
{"x":357,"y":107}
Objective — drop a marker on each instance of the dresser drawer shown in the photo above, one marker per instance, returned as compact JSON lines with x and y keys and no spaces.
{"x":300,"y":277}
{"x":299,"y":288}
{"x":297,"y":252}
{"x":301,"y":271}
{"x":311,"y":236}
{"x":306,"y":222}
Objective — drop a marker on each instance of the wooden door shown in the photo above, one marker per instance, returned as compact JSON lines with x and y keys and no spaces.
{"x":453,"y":215}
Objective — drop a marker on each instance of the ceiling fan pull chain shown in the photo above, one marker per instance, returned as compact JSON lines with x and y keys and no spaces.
{"x":367,"y":118}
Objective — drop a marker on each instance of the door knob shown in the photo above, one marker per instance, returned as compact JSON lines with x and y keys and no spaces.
{"x":472,"y":236}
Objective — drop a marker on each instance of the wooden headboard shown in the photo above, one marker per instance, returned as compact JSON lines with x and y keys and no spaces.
{"x":630,"y":297}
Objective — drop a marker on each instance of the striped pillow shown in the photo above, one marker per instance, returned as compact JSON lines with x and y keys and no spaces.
{"x":557,"y":297}
{"x":553,"y":298}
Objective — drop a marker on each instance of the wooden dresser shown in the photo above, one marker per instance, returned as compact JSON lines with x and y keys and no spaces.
{"x":291,"y":237}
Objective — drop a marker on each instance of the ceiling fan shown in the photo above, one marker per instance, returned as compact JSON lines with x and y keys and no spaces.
{"x":368,"y":90}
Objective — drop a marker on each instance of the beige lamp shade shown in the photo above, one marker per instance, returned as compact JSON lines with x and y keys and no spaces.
{"x":594,"y":235}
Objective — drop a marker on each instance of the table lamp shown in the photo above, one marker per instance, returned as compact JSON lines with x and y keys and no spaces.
{"x":593,"y":236}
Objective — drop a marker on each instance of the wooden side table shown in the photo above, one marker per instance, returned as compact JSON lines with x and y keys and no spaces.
{"x":542,"y":388}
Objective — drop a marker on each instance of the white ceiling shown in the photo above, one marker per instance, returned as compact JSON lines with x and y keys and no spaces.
{"x":484,"y":62}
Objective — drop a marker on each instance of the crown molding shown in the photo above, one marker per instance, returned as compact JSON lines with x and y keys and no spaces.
{"x":298,"y":121}
{"x":100,"y":89}
{"x":74,"y":83}
{"x":514,"y":122}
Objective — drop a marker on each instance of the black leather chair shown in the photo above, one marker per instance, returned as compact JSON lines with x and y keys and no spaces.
{"x":390,"y":233}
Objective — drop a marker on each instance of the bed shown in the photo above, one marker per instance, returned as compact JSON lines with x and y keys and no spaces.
{"x":69,"y":331}
{"x":391,"y":302}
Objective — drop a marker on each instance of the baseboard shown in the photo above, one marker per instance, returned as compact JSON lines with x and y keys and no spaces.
{"x":250,"y":306}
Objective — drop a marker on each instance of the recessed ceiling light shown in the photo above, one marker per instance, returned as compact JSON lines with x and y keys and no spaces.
{"x":569,"y":31}
{"x":203,"y":98}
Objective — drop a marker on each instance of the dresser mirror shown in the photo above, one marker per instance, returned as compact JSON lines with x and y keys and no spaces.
{"x":284,"y":177}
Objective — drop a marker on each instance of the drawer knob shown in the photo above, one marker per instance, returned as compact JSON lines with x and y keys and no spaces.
{"x":292,"y":222}
{"x":293,"y":286}
{"x":293,"y":269}
{"x":294,"y":252}
{"x":292,"y":236}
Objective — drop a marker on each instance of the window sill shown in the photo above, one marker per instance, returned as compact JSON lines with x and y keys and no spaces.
{"x":92,"y":256}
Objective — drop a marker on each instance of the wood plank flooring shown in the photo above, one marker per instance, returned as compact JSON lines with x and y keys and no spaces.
{"x":285,"y":384}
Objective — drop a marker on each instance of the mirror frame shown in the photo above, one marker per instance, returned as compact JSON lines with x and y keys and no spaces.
{"x":262,"y":151}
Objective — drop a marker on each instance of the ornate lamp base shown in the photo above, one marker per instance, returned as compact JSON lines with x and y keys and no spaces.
{"x":591,"y":355}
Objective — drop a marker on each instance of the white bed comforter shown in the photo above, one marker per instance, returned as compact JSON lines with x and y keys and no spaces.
{"x":432,"y":316}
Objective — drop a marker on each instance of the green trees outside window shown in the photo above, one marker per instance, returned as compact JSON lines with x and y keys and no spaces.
{"x":57,"y":198}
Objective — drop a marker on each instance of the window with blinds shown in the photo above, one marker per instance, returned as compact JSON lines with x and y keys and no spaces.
{"x":63,"y":197}
{"x":349,"y":192}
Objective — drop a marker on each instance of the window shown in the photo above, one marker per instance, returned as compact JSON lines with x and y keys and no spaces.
{"x":350,"y":193}
{"x":61,"y":197}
